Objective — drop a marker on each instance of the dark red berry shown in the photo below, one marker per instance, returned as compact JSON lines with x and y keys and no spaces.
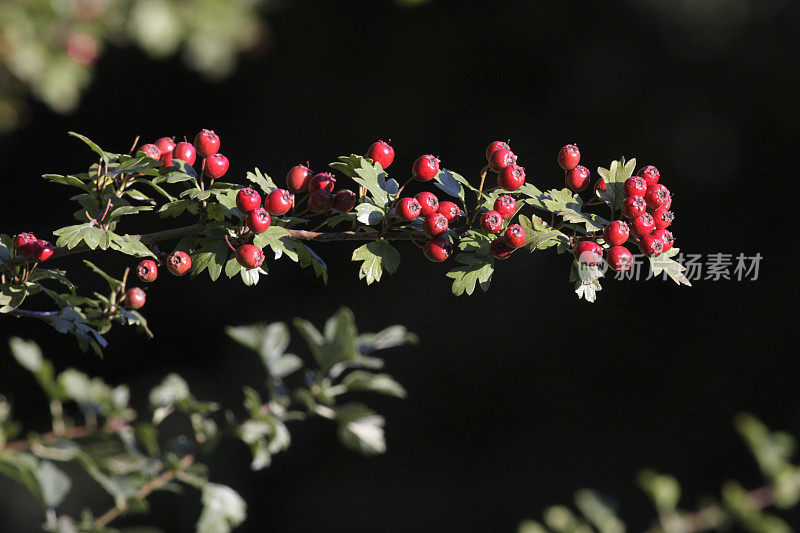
{"x":650,"y":174}
{"x":578,"y":178}
{"x":435,"y":224}
{"x":620,"y":258}
{"x":320,"y":201}
{"x":658,"y":196}
{"x":216,"y":166}
{"x":278,"y":202}
{"x":569,"y":157}
{"x":258,"y":220}
{"x":147,"y":270}
{"x":616,"y":233}
{"x":634,"y":186}
{"x":514,"y":236}
{"x":298,"y":177}
{"x":492,"y":222}
{"x":185,"y":152}
{"x":511,"y":178}
{"x":207,"y":143}
{"x":651,"y":246}
{"x":663,"y":217}
{"x":500,"y":159}
{"x":135,"y":298}
{"x":438,"y":250}
{"x":408,"y":208}
{"x":588,"y":253}
{"x":428,"y":202}
{"x":506,"y":206}
{"x":425,"y":168}
{"x":643,"y":225}
{"x":496,"y":145}
{"x":666,"y":238}
{"x":179,"y":263}
{"x":248,"y":199}
{"x":250,"y":256}
{"x":633,"y":206}
{"x":344,"y":200}
{"x":323,"y":180}
{"x":450,"y":211}
{"x":381,"y":152}
{"x":599,"y":186}
{"x":165,"y":145}
{"x":500,"y":249}
{"x":151,"y":151}
{"x":44,"y":250}
{"x":25,"y":244}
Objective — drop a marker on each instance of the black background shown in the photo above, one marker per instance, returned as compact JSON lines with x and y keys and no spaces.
{"x":520,"y":396}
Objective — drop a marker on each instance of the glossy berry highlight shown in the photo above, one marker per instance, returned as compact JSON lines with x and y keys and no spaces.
{"x":650,"y":175}
{"x":495,"y":146}
{"x":278,"y":202}
{"x":511,"y":178}
{"x":634,"y":186}
{"x":428,"y":202}
{"x":633,"y":206}
{"x":344,"y":200}
{"x":297,"y":178}
{"x":185,"y":152}
{"x":206,"y":143}
{"x":643,"y":225}
{"x":408,"y":208}
{"x":248,"y":199}
{"x":147,"y":270}
{"x":514,"y":236}
{"x":258,"y":220}
{"x":619,"y":258}
{"x":437,"y":250}
{"x":588,"y":253}
{"x":500,"y":159}
{"x":250,"y":256}
{"x":500,"y":249}
{"x":491,"y":222}
{"x":506,"y":205}
{"x":425,"y":168}
{"x":616,"y":233}
{"x":435,"y":224}
{"x":323,"y":180}
{"x":450,"y":211}
{"x":569,"y":157}
{"x":381,"y":152}
{"x":216,"y":166}
{"x":179,"y":263}
{"x":578,"y":178}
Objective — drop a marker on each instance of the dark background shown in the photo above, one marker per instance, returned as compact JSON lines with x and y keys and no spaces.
{"x":520,"y":396}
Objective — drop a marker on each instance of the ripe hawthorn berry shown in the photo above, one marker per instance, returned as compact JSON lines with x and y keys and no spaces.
{"x":216,"y":166}
{"x":323,"y":180}
{"x":643,"y":225}
{"x":258,"y":220}
{"x":500,"y":159}
{"x":650,"y":174}
{"x":569,"y":157}
{"x":428,"y":202}
{"x":381,"y":152}
{"x":599,"y":187}
{"x":578,"y":178}
{"x":450,"y":211}
{"x":634,"y":186}
{"x":344,"y":200}
{"x":298,"y":177}
{"x":616,"y":233}
{"x":667,"y":238}
{"x":185,"y":152}
{"x":492,"y":221}
{"x":651,"y":246}
{"x":496,"y":145}
{"x":147,"y":270}
{"x":151,"y":151}
{"x":663,"y":217}
{"x":588,"y":253}
{"x":505,"y":205}
{"x":435,"y":224}
{"x":657,"y":196}
{"x":500,"y":249}
{"x":165,"y":145}
{"x":248,"y":199}
{"x":633,"y":206}
{"x":437,"y":250}
{"x":206,"y":143}
{"x":25,"y":244}
{"x":425,"y":168}
{"x":135,"y":298}
{"x":278,"y":202}
{"x":620,"y":258}
{"x":44,"y":250}
{"x":179,"y":263}
{"x":514,"y":236}
{"x":250,"y":256}
{"x":320,"y":201}
{"x":408,"y":208}
{"x":511,"y":178}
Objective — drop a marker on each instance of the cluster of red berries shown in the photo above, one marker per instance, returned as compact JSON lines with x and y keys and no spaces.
{"x":320,"y":188}
{"x":27,"y":245}
{"x":510,"y":176}
{"x":206,"y":143}
{"x":178,"y":263}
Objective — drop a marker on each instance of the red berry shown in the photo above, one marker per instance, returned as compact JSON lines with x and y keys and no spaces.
{"x":25,"y":244}
{"x":425,"y":168}
{"x":44,"y":250}
{"x":298,"y":177}
{"x":250,"y":256}
{"x":616,"y":233}
{"x":165,"y":145}
{"x":650,"y":174}
{"x":500,"y":249}
{"x":428,"y":202}
{"x":658,"y":196}
{"x":179,"y":263}
{"x":278,"y":202}
{"x":147,"y":270}
{"x":599,"y":186}
{"x":381,"y":152}
{"x":569,"y":157}
{"x":344,"y":200}
{"x":435,"y":224}
{"x":492,"y":222}
{"x":135,"y":298}
{"x":496,"y":145}
{"x":450,"y":211}
{"x":666,"y":238}
{"x":634,"y":186}
{"x":663,"y":217}
{"x":620,"y":258}
{"x":185,"y":152}
{"x":643,"y":225}
{"x":258,"y":220}
{"x":500,"y":159}
{"x":651,"y":246}
{"x":216,"y":166}
{"x":207,"y":143}
{"x":511,"y":178}
{"x":633,"y":206}
{"x":320,"y":201}
{"x":151,"y":151}
{"x":408,"y":208}
{"x":323,"y":180}
{"x":578,"y":178}
{"x":248,"y":199}
{"x":506,"y":206}
{"x":588,"y":253}
{"x":514,"y":236}
{"x":438,"y":250}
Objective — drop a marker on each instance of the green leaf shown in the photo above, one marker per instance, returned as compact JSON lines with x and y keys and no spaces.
{"x":369,"y":175}
{"x":223,"y":509}
{"x":568,"y":205}
{"x":386,"y":338}
{"x":772,"y":450}
{"x":176,"y":208}
{"x":361,"y":380}
{"x":96,"y":149}
{"x":663,"y":490}
{"x":361,"y":429}
{"x":538,"y":234}
{"x":58,"y":275}
{"x":263,"y":181}
{"x":12,"y":296}
{"x":27,"y":353}
{"x":665,"y":264}
{"x":212,"y":255}
{"x":376,"y":256}
{"x":453,"y":184}
{"x":369,"y":213}
{"x":598,"y":512}
{"x":113,"y":284}
{"x":156,"y":188}
{"x":615,"y":177}
{"x":129,"y":210}
{"x":70,"y":181}
{"x":747,"y":511}
{"x":171,"y":390}
{"x":130,"y":246}
{"x":53,"y":483}
{"x":471,"y":272}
